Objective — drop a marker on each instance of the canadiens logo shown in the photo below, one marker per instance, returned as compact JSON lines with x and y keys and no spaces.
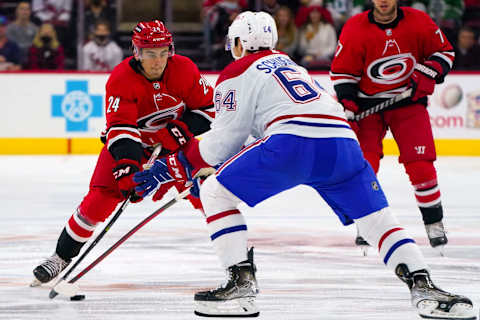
{"x":392,"y":69}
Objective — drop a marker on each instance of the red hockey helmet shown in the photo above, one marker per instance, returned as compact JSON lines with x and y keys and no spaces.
{"x":152,"y":34}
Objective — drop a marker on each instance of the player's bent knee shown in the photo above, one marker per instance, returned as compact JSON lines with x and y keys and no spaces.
{"x":98,"y":204}
{"x":216,"y":198}
{"x":421,"y":172}
{"x":373,"y":226}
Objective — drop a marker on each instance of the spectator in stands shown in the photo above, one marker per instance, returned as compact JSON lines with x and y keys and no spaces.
{"x":22,"y":30}
{"x":46,"y":51}
{"x":318,"y":40}
{"x":301,"y":18}
{"x":467,"y":51}
{"x":210,"y":3}
{"x":218,"y":19}
{"x":292,"y":4}
{"x":342,"y":10}
{"x":57,"y":13}
{"x":98,"y":10}
{"x":101,"y":53}
{"x":471,"y":15}
{"x":9,"y":51}
{"x":270,"y":6}
{"x":287,"y":31}
{"x":446,"y":13}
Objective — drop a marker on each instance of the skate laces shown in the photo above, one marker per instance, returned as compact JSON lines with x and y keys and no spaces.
{"x":228,"y":279}
{"x":54,"y":265}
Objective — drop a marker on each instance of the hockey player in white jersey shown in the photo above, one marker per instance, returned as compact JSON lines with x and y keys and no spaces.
{"x":303,"y":137}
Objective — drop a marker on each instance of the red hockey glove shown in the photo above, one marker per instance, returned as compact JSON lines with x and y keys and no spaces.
{"x":123,"y":173}
{"x":422,"y":80}
{"x":351,"y":107}
{"x":175,"y":135}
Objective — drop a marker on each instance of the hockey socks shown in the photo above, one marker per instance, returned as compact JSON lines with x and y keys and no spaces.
{"x":382,"y":230}
{"x":75,"y":234}
{"x":228,"y":232}
{"x":226,"y":225}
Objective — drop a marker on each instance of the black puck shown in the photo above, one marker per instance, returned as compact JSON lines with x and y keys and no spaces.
{"x":78,"y":297}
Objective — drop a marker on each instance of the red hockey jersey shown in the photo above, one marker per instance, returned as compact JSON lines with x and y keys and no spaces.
{"x":379,"y":59}
{"x":137,"y":107}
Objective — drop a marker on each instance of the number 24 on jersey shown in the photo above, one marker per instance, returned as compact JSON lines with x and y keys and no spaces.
{"x":113,"y":104}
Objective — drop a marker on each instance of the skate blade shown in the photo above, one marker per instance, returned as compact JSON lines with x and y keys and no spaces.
{"x":440,"y":249}
{"x":240,"y":307}
{"x":364,"y":250}
{"x":460,"y":311}
{"x":35,"y":283}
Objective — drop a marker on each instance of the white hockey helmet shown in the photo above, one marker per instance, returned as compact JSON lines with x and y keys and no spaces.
{"x":254,"y":29}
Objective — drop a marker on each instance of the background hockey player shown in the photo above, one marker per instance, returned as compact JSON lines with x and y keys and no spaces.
{"x":380,"y":54}
{"x":155,"y":97}
{"x":303,"y":138}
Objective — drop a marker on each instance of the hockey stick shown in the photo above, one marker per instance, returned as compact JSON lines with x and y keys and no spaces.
{"x":385,"y":104}
{"x":53,"y":293}
{"x":70,"y":289}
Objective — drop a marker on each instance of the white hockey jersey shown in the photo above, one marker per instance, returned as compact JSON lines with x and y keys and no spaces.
{"x":266,"y":93}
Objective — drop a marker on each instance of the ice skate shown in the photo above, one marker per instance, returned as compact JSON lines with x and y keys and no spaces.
{"x":48,"y":270}
{"x":235,"y":298}
{"x":362,"y":244}
{"x":437,"y":236}
{"x":432,"y":302}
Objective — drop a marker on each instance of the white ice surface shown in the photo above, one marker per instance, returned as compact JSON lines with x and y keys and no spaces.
{"x":308,"y":267}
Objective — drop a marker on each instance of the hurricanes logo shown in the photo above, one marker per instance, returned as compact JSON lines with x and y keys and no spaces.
{"x":391,"y":69}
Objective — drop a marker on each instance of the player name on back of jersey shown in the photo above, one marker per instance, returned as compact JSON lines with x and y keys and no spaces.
{"x":269,"y":65}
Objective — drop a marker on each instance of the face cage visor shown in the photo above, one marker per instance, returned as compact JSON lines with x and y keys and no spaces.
{"x":137,"y":52}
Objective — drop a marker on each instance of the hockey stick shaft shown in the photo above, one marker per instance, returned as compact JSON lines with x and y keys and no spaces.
{"x":129,"y":234}
{"x":382,"y":106}
{"x":124,"y":204}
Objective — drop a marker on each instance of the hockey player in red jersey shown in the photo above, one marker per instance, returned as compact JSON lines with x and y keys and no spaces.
{"x":381,"y":53}
{"x":154,"y":97}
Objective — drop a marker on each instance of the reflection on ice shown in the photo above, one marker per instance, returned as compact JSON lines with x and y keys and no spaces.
{"x":308,"y":267}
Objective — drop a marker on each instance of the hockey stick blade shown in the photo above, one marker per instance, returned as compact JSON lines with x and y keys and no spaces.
{"x":64,"y":288}
{"x":382,"y":106}
{"x":65,"y":284}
